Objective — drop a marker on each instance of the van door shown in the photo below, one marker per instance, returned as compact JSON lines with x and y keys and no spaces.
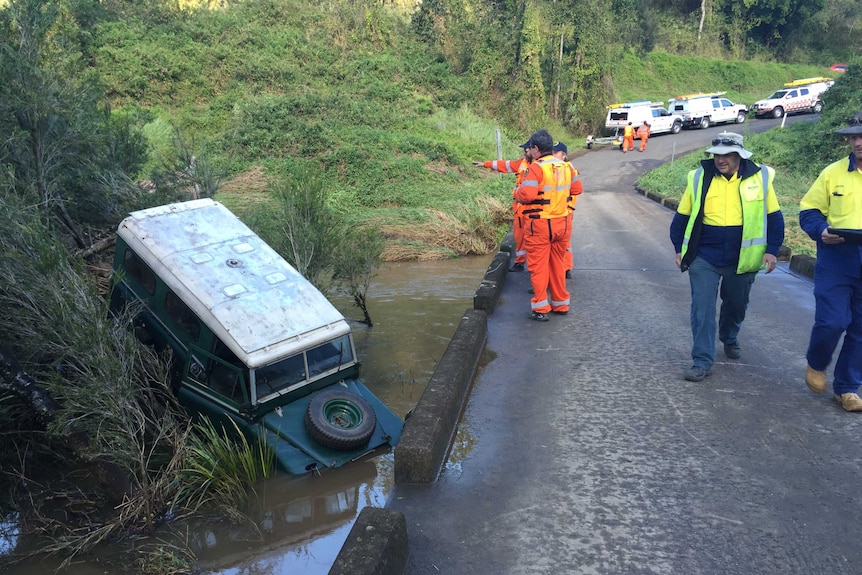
{"x":215,"y":384}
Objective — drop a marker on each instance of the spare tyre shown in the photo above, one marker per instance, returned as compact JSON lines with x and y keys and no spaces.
{"x":340,"y":419}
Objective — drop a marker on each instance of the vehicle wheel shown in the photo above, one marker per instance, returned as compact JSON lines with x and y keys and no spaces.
{"x":677,"y":126}
{"x":778,"y":112}
{"x":590,"y":146}
{"x":704,"y":123}
{"x":740,"y":117}
{"x":340,"y":419}
{"x":818,"y":107}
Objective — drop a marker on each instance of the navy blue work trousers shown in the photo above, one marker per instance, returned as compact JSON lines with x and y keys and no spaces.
{"x":838,"y":310}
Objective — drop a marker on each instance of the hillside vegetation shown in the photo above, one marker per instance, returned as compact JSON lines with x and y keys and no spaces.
{"x":371,"y":97}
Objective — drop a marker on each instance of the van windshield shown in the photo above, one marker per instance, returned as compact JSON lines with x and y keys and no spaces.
{"x":290,"y":373}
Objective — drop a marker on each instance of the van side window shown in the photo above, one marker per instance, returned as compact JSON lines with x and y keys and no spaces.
{"x":182,"y":315}
{"x":139,"y":270}
{"x":804,"y":91}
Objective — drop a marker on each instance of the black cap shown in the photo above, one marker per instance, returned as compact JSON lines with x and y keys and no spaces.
{"x":542,"y":140}
{"x":854,"y":126}
{"x":526,"y":144}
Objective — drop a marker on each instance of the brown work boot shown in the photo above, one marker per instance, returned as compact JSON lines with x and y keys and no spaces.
{"x":816,"y":380}
{"x":849,"y":401}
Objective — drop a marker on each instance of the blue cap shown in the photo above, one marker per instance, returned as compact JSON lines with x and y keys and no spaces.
{"x":526,"y":144}
{"x":561,"y":147}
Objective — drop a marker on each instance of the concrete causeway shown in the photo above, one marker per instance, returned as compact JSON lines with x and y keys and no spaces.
{"x":581,"y":448}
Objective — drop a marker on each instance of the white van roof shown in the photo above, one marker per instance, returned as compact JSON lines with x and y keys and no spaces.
{"x":247,"y":294}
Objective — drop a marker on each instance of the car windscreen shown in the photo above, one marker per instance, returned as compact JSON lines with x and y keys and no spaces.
{"x":290,"y":373}
{"x":777,"y":95}
{"x":329,"y":355}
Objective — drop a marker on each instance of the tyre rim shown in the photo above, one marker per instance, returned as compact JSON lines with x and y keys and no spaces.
{"x":342,"y":414}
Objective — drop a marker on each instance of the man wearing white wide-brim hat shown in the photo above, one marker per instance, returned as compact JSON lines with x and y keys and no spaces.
{"x":831,"y":214}
{"x":728,"y":226}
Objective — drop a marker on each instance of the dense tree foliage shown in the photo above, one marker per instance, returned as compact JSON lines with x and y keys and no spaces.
{"x":62,"y":149}
{"x":576,"y":43}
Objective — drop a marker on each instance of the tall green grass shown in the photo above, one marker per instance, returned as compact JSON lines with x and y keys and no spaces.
{"x":221,"y":467}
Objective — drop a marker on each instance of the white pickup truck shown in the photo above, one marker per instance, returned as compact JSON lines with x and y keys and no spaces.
{"x":798,"y":96}
{"x":702,"y":110}
{"x":655,"y":114}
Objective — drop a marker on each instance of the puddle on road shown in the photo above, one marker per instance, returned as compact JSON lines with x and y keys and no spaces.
{"x":298,"y":525}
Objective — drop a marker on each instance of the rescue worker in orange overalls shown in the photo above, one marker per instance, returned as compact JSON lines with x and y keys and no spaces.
{"x":561,"y":152}
{"x":643,"y":134}
{"x":544,"y":193}
{"x":628,"y":138}
{"x":518,"y":167}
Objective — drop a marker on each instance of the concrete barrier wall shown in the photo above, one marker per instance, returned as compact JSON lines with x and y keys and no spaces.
{"x":376,"y":545}
{"x":488,"y":294}
{"x":428,"y":432}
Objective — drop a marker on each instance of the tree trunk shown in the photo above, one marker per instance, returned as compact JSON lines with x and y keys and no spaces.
{"x":16,"y":381}
{"x":556,"y":113}
{"x":97,"y":247}
{"x":114,"y":479}
{"x":67,"y":221}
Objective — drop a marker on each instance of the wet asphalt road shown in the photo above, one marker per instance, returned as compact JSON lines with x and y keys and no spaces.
{"x":582,"y":450}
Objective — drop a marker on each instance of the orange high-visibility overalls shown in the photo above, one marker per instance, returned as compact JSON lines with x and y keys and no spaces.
{"x":576,"y":190}
{"x":518,"y":167}
{"x":643,"y":134}
{"x":628,"y":138}
{"x":545,"y":192}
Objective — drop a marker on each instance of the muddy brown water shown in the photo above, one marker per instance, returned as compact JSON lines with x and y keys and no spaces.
{"x":298,"y":524}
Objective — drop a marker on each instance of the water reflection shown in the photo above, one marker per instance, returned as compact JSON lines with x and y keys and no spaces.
{"x":9,"y":533}
{"x":297,"y":525}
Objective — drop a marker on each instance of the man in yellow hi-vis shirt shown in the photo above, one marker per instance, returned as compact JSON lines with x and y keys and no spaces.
{"x":728,"y":226}
{"x":831,"y":214}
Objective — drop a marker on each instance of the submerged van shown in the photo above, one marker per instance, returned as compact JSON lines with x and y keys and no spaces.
{"x":253,"y":341}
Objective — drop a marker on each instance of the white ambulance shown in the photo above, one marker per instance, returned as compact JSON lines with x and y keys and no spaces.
{"x":798,"y":96}
{"x":702,"y":110}
{"x":655,"y":114}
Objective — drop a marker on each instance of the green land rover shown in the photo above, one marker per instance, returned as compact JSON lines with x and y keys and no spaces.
{"x":253,"y":341}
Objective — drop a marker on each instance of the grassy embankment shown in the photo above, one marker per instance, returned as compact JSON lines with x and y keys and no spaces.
{"x":353,"y":94}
